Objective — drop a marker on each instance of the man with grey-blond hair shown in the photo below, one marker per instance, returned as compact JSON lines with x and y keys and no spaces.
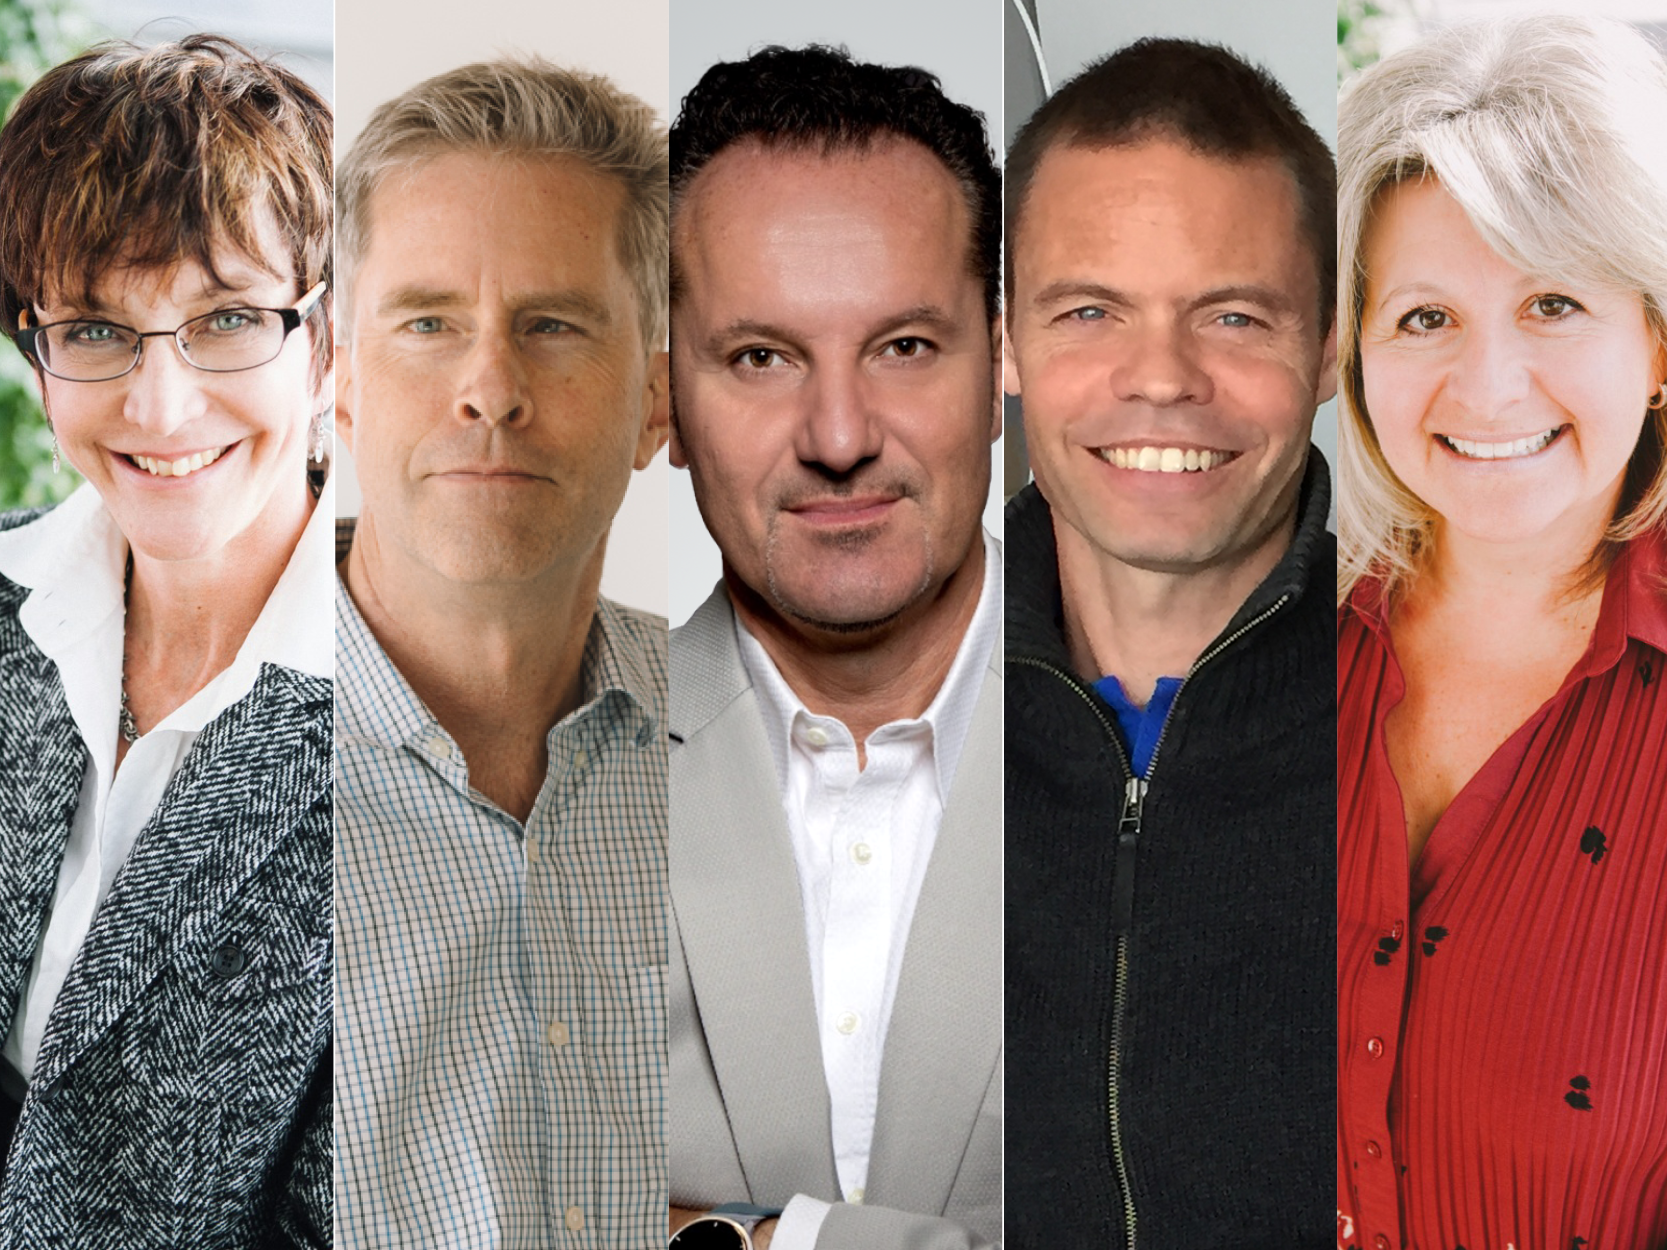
{"x":501,"y":743}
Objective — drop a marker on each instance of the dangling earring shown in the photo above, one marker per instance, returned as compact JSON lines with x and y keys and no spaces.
{"x":1658,"y":401}
{"x":56,"y":468}
{"x":315,"y":439}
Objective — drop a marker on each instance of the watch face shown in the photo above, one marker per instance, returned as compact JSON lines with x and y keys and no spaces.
{"x":711,"y":1232}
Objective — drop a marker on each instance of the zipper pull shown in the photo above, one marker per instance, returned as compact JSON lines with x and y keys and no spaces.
{"x":1128,"y":834}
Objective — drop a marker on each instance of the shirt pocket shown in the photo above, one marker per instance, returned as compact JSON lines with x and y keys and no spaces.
{"x":241,"y":1012}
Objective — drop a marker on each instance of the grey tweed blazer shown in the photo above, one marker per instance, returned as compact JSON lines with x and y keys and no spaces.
{"x":181,"y":1096}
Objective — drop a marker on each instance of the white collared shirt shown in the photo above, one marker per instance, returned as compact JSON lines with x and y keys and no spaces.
{"x":862,"y":841}
{"x":74,"y":561}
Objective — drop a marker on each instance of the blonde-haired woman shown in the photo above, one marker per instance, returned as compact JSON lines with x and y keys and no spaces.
{"x":1502,"y":643}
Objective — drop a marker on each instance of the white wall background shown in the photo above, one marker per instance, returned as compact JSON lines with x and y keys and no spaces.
{"x":1296,"y":40}
{"x":300,"y":30}
{"x":383,"y":48}
{"x":958,"y":40}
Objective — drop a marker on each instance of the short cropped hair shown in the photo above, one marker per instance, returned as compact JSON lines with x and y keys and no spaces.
{"x":524,"y":106}
{"x":1200,"y":95}
{"x":1548,"y":132}
{"x":145,"y":157}
{"x":819,"y":99}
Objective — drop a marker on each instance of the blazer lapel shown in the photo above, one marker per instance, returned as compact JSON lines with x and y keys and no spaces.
{"x":43,"y":761}
{"x":735,"y":890}
{"x":944,"y":1041}
{"x":219,"y":819}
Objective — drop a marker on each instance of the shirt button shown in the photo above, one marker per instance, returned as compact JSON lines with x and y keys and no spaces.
{"x":855,"y":1196}
{"x":1381,"y":1242}
{"x":580,"y":759}
{"x":575,"y":1219}
{"x":816,"y":736}
{"x":531,"y":848}
{"x":438,"y":746}
{"x":557,"y":1035}
{"x":1375,"y":1150}
{"x":848,"y":1023}
{"x":1374,"y":1047}
{"x":862,"y":852}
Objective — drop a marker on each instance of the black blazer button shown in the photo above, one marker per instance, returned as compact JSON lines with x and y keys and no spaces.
{"x":228,"y":960}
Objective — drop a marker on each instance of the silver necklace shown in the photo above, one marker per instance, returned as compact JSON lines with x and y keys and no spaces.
{"x":125,"y":721}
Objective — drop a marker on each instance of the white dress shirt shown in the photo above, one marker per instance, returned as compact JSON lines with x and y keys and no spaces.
{"x":73,"y":559}
{"x":862,"y":839}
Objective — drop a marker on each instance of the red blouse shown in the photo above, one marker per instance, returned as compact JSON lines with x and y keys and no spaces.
{"x":1502,"y":1005}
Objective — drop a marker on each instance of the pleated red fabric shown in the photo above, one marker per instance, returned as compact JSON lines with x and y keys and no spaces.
{"x":1502,"y":1006}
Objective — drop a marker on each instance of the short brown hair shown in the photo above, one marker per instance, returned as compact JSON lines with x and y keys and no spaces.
{"x":1204,"y":97}
{"x":143,"y":157}
{"x":524,"y":106}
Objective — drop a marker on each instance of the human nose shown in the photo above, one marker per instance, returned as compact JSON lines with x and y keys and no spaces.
{"x":1488,"y":373}
{"x":163,"y":391}
{"x":840,"y":427}
{"x":493,"y":385}
{"x":1159,"y":366}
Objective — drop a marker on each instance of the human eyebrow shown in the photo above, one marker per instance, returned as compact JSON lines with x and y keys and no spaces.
{"x":417,"y":299}
{"x":563,"y":304}
{"x":727,"y":338}
{"x":1090,"y":292}
{"x":923,"y":316}
{"x":1247,"y":293}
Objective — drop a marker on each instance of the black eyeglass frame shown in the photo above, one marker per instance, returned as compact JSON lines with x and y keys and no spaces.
{"x":292,"y":318}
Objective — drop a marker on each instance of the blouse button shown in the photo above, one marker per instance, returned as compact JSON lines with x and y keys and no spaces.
{"x":1381,"y":1242}
{"x":1375,"y":1150}
{"x":1374,"y":1047}
{"x":1397,"y":931}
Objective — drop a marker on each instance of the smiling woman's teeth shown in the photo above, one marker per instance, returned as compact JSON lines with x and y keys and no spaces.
{"x":1499,"y":451}
{"x":1164,"y":459}
{"x":180,"y":467}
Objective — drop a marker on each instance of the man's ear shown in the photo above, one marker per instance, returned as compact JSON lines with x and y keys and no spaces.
{"x":1325,"y":386}
{"x":656,"y":409}
{"x":343,"y":369}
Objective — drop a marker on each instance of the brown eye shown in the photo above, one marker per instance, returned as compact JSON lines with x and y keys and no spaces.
{"x":1554,"y":306}
{"x":1424,"y":320}
{"x":758,"y":357}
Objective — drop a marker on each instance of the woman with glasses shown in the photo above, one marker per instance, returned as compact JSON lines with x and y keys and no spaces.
{"x":166,"y":659}
{"x":1502,"y":643}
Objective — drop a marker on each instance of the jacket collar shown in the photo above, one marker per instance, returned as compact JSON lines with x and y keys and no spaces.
{"x":1035,"y":613}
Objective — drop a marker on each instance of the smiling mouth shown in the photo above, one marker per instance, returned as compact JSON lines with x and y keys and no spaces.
{"x":1513,"y":450}
{"x":1165,"y":459}
{"x":183,"y":467}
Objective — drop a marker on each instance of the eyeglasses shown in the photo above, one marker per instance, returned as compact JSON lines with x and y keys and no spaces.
{"x":224,"y":341}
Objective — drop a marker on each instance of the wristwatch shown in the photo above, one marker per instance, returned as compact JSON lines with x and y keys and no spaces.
{"x":728,"y":1227}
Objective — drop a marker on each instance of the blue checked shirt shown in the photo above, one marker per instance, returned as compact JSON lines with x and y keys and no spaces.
{"x":501,"y":1022}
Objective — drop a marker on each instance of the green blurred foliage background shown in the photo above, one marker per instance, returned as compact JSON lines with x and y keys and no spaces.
{"x":34,"y":36}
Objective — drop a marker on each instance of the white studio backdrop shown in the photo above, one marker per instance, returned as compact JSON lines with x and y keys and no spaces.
{"x":385,"y":48}
{"x":958,"y":40}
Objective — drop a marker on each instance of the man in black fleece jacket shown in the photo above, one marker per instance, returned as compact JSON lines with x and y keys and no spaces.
{"x":1171,"y":730}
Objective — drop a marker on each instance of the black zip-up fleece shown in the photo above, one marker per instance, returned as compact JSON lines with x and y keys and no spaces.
{"x":1216,"y":892}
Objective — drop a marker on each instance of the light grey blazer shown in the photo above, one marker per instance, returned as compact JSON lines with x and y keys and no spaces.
{"x":748,"y":1116}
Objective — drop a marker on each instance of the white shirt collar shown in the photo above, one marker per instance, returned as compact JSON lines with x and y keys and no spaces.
{"x":949,"y":715}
